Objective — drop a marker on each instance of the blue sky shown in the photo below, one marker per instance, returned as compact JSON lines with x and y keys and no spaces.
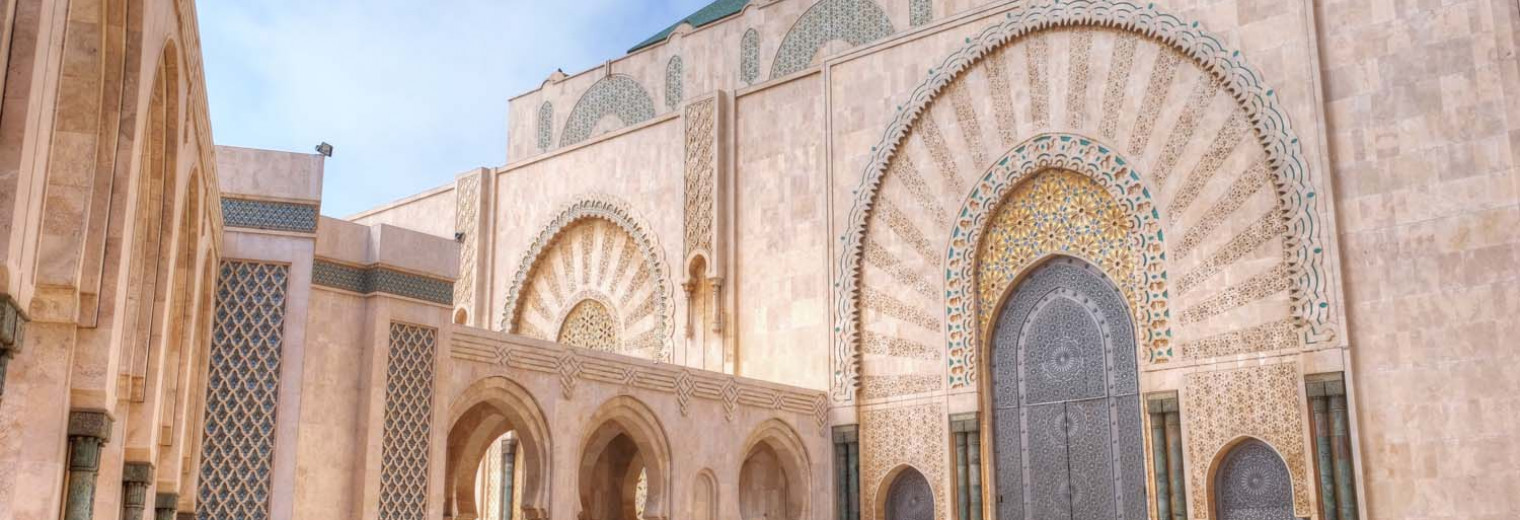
{"x":409,"y":93}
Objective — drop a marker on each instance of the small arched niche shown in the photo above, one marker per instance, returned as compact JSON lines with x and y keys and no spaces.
{"x":773,"y":480}
{"x":908,"y":497}
{"x":1251,"y":482}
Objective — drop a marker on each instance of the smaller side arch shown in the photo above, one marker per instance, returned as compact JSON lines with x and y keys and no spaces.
{"x":779,"y":439}
{"x":616,"y":95}
{"x":904,"y":494}
{"x":620,"y":417}
{"x":484,"y":412}
{"x":704,"y":496}
{"x":1249,"y":480}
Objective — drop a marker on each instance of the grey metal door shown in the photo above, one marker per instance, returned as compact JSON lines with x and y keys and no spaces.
{"x":1253,"y":484}
{"x":1067,"y":436}
{"x":909,"y":497}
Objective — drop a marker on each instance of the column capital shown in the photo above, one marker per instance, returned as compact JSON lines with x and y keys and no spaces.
{"x":12,"y":322}
{"x":166,"y":501}
{"x":137,"y":472}
{"x":90,"y":423}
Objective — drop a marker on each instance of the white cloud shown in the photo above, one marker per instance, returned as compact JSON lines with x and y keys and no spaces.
{"x":409,"y":93}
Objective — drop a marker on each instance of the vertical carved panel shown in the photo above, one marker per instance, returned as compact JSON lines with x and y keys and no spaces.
{"x":466,"y":221}
{"x":1259,"y":402}
{"x":242,"y":391}
{"x":915,"y":435}
{"x":408,"y":419}
{"x":701,"y":165}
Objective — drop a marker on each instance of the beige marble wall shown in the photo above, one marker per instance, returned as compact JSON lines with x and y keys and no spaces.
{"x":1422,"y":113}
{"x":76,"y":148}
{"x":430,"y":212}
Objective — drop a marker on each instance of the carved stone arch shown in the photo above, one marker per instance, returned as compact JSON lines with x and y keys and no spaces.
{"x":775,"y":443}
{"x":675,"y":82}
{"x":595,"y":247}
{"x":621,"y":421}
{"x":918,"y":174}
{"x":749,"y":57}
{"x":484,"y":412}
{"x":855,"y":22}
{"x":1249,"y":480}
{"x":617,"y":95}
{"x":905,"y":494}
{"x":545,"y":126}
{"x":155,"y":201}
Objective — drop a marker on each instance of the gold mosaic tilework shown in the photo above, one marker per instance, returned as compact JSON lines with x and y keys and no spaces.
{"x":1056,"y":212}
{"x":591,"y":325}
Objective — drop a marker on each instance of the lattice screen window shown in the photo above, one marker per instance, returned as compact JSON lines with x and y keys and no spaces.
{"x":242,"y":391}
{"x":847,"y":472}
{"x":1331,"y":424}
{"x":966,"y":433}
{"x":408,"y":417}
{"x":1166,"y":455}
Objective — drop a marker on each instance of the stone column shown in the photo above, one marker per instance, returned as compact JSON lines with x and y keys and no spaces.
{"x":1319,"y":404}
{"x":166,"y":506}
{"x":1340,"y":450}
{"x":1174,"y":463}
{"x":1157,"y":409}
{"x":508,"y":467}
{"x":12,"y":324}
{"x":88,"y":431}
{"x":135,"y":478}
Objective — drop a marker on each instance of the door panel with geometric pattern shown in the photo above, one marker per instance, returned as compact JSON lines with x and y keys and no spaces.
{"x":1066,"y":428}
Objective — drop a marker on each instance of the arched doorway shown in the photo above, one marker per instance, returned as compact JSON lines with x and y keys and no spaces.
{"x":1065,"y":395}
{"x":624,"y":465}
{"x":481,"y":420}
{"x":1252,"y":483}
{"x":773,"y":481}
{"x":909,"y":497}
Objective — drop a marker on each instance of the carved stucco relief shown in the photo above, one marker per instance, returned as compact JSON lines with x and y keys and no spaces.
{"x":466,"y":221}
{"x":913,"y":435}
{"x":701,"y":172}
{"x":1222,"y":407}
{"x":595,"y":249}
{"x":1246,"y":166}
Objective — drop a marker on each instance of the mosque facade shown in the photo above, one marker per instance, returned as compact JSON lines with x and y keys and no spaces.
{"x":792,"y":259}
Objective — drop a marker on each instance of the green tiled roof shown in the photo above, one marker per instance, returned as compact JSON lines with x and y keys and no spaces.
{"x":711,"y":13}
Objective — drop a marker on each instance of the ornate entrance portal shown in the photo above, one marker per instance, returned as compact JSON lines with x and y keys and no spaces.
{"x":1066,"y":401}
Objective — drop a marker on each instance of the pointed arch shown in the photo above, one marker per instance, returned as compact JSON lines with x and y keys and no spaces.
{"x":774,"y":454}
{"x":621,"y":424}
{"x":483,"y":413}
{"x":617,"y":95}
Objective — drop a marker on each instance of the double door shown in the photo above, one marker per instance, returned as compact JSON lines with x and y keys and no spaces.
{"x":1068,"y":437}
